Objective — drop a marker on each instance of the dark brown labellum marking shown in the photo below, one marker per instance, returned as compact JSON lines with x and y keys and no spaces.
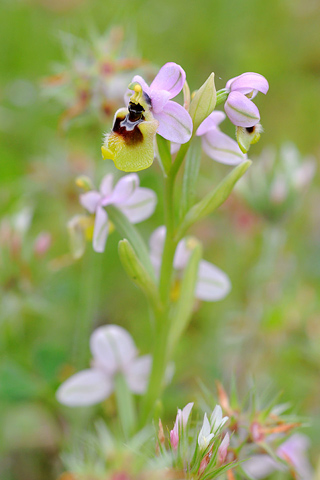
{"x":250,"y":129}
{"x":128,"y":130}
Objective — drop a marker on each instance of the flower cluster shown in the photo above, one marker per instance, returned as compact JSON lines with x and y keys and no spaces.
{"x":97,"y":75}
{"x":114,"y":353}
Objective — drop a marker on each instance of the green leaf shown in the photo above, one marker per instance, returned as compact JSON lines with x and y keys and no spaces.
{"x":164,"y":153}
{"x":182,"y":312}
{"x":138,"y":274}
{"x":203,"y":102}
{"x":213,"y":199}
{"x":129,"y":231}
{"x":190,"y":176}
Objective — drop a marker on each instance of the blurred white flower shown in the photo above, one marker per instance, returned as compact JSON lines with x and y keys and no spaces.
{"x":216,"y":420}
{"x":212,"y":285}
{"x":113,"y":352}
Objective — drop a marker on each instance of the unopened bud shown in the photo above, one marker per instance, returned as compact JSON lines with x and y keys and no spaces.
{"x":203,"y":102}
{"x":247,"y":136}
{"x":42,"y":244}
{"x":85,"y":183}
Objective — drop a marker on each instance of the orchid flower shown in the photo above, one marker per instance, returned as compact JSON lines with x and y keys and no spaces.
{"x":205,"y":435}
{"x":238,"y":106}
{"x":135,"y":202}
{"x":113,"y":352}
{"x":218,"y":145}
{"x":212,"y":284}
{"x":181,"y":422}
{"x":150,"y":110}
{"x":175,"y":123}
{"x":216,"y":420}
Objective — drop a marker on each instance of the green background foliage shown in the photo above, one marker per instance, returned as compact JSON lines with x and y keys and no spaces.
{"x":267,"y":328}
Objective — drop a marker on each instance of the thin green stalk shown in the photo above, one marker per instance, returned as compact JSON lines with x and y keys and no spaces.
{"x":160,"y":355}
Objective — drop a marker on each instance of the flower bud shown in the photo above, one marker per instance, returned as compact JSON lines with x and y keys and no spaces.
{"x":85,"y":183}
{"x":247,"y":136}
{"x":203,"y":102}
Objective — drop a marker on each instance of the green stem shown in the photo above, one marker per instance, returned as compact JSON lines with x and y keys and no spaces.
{"x":125,"y":404}
{"x":160,"y":355}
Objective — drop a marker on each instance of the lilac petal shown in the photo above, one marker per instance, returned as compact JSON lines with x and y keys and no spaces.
{"x":174,"y":148}
{"x":260,"y":466}
{"x":241,"y":111}
{"x":159,"y":98}
{"x":137,"y":374}
{"x":124,"y":189}
{"x":249,"y":81}
{"x":140,"y":205}
{"x":112,"y":348}
{"x":175,"y":123}
{"x":85,"y":388}
{"x":222,"y":148}
{"x":101,"y":229}
{"x":106,"y":185}
{"x":171,"y":77}
{"x":182,"y":255}
{"x":212,"y":284}
{"x":90,"y":200}
{"x":211,"y":122}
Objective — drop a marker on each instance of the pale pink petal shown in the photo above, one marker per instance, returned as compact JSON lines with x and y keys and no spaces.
{"x":294,"y":451}
{"x":247,"y":82}
{"x":175,"y":123}
{"x":186,"y":413}
{"x":241,"y":111}
{"x":211,"y":122}
{"x":171,"y":77}
{"x":260,"y":466}
{"x":159,"y":98}
{"x":212,"y":284}
{"x":112,"y":348}
{"x":137,"y":374}
{"x":101,"y":229}
{"x":90,"y":200}
{"x":106,"y":185}
{"x":222,"y":148}
{"x":140,"y":205}
{"x":85,"y":388}
{"x":124,"y":189}
{"x":182,"y":255}
{"x":174,"y":148}
{"x":223,"y":448}
{"x":142,"y":82}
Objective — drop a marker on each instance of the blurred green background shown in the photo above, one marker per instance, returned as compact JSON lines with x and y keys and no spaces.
{"x":267,"y":328}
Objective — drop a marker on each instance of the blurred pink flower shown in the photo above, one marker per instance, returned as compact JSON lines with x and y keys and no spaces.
{"x":135,"y":202}
{"x":238,"y":106}
{"x":113,"y":352}
{"x":293,"y":451}
{"x":223,"y":449}
{"x":42,"y":244}
{"x":175,"y":123}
